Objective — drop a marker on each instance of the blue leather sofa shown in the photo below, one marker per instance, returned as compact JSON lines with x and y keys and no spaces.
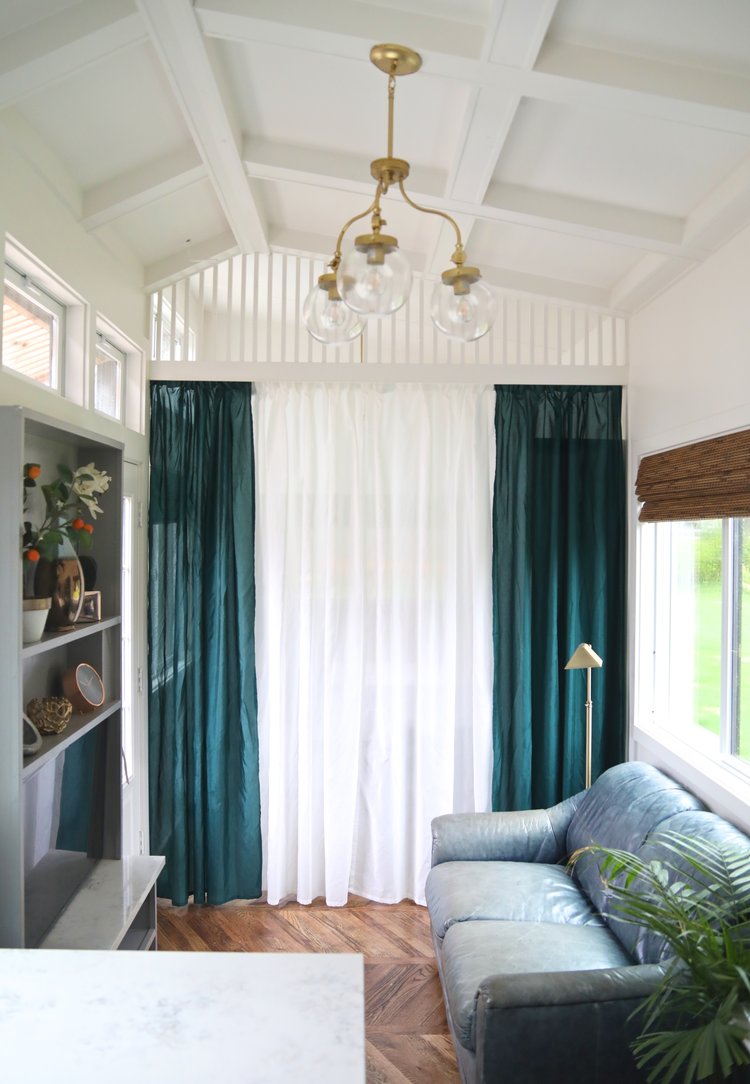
{"x":538,"y":986}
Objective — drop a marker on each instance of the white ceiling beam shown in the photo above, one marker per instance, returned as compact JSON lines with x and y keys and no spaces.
{"x":657,"y":80}
{"x":188,"y":260}
{"x":271,"y":161}
{"x":711,"y":224}
{"x":299,"y":21}
{"x":721,"y":214}
{"x":140,"y":187}
{"x":649,"y":278}
{"x":725,"y":105}
{"x":586,"y":218}
{"x":514,"y":37}
{"x":505,"y":203}
{"x":523,"y":282}
{"x":177,"y":38}
{"x":62,"y":44}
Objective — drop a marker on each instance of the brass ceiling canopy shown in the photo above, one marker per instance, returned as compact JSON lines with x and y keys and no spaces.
{"x":395,"y":59}
{"x":375,"y":278}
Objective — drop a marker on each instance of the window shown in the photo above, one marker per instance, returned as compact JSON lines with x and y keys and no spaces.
{"x":33,"y":329}
{"x":109,"y":366}
{"x":694,"y":632}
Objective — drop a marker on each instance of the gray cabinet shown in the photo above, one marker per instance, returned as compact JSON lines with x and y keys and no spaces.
{"x":63,"y":882}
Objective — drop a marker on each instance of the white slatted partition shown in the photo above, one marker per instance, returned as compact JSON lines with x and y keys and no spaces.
{"x":246,"y":310}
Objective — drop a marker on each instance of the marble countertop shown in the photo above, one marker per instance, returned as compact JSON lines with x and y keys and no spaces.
{"x":148,"y":1017}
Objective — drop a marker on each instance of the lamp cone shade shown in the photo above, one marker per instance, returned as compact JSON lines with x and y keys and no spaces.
{"x":583,"y":657}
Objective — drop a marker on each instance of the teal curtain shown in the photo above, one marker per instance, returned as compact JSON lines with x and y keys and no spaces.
{"x":203,"y":746}
{"x":559,"y":544}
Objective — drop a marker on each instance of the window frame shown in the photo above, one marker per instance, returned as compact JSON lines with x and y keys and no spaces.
{"x":105,"y":345}
{"x":652,"y":696}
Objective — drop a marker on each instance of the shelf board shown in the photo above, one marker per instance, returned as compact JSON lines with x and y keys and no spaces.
{"x":100,"y":914}
{"x":53,"y":744}
{"x":138,"y":940}
{"x":58,"y":639}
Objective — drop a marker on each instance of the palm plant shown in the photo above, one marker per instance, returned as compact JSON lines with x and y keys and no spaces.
{"x":697,"y":899}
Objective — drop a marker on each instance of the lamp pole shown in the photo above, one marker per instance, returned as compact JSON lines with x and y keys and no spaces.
{"x":589,"y":712}
{"x":584,"y":658}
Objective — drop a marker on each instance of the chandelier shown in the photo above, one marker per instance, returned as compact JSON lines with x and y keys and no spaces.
{"x":374,"y":279}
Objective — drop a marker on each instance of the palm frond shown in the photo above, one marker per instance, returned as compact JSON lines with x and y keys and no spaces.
{"x":696,"y":897}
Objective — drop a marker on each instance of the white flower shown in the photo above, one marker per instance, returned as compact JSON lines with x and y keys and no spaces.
{"x":87,"y":483}
{"x":95,"y":481}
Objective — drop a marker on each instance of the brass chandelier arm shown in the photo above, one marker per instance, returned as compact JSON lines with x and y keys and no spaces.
{"x":374,"y":206}
{"x":458,"y":255}
{"x":391,"y":97}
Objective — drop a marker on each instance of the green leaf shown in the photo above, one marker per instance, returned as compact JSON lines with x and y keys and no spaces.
{"x":65,"y":472}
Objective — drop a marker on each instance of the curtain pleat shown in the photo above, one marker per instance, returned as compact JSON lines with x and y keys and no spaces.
{"x":559,"y":545}
{"x":203,"y":749}
{"x":374,"y":630}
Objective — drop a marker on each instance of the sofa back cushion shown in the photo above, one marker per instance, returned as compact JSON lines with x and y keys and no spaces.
{"x":620,"y":810}
{"x":647,"y":947}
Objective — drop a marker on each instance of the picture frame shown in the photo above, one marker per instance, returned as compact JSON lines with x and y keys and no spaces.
{"x":91,"y":610}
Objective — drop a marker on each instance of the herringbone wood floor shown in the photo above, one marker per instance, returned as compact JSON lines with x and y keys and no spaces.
{"x":405,"y":1026}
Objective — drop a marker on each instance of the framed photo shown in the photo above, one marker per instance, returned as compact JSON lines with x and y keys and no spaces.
{"x":92,"y":606}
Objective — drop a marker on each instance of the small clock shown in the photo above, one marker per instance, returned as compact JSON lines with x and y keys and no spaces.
{"x":83,"y":687}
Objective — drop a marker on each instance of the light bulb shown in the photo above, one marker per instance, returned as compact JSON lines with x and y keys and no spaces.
{"x":327,"y":318}
{"x":373,"y":286}
{"x":463,"y":316}
{"x":333,"y":314}
{"x":462,"y":309}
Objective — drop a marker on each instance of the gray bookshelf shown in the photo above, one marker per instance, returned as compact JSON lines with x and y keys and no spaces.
{"x":86,"y":896}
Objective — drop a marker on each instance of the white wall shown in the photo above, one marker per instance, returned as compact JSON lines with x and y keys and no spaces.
{"x":690,"y":379}
{"x":45,"y":221}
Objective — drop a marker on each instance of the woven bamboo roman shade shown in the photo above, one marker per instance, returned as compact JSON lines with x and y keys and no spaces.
{"x":705,"y":480}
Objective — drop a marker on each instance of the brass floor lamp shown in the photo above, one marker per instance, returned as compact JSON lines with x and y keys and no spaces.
{"x":585,"y":658}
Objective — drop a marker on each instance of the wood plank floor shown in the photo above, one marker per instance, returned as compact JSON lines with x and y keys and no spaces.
{"x":406,"y":1031}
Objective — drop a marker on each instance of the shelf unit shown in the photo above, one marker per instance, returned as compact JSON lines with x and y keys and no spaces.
{"x":86,"y":896}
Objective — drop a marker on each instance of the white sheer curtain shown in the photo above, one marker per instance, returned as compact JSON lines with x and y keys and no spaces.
{"x":373,"y":629}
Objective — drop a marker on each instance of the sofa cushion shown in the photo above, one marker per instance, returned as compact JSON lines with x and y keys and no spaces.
{"x":648,"y":947}
{"x":514,"y":891}
{"x":621,"y":809}
{"x":472,"y":951}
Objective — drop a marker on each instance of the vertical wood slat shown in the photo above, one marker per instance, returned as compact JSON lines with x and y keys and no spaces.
{"x":230,"y":307}
{"x":282,"y":344}
{"x":173,"y":320}
{"x":243,"y":306}
{"x":186,"y":318}
{"x":156,"y":349}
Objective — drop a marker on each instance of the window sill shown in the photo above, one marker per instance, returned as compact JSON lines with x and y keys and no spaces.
{"x":724,"y":787}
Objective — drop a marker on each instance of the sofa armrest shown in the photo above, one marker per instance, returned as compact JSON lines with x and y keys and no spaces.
{"x":574,"y":1027}
{"x":530,"y":835}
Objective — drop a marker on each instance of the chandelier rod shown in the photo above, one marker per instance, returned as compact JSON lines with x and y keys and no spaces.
{"x":458,"y":255}
{"x":391,"y":100}
{"x":374,"y":206}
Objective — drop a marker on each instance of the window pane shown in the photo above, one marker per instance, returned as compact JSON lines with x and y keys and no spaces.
{"x":707,"y":645}
{"x":741,"y":637}
{"x":107,"y":370}
{"x":29,"y":337}
{"x":691,"y":635}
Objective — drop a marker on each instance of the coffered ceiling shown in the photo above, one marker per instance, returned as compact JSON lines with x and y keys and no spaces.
{"x":591,"y":150}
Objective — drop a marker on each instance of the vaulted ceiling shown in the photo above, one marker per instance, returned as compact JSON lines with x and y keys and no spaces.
{"x":591,"y":150}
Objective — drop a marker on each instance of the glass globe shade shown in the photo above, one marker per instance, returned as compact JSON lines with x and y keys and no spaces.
{"x":328,"y":319}
{"x":465,"y":317}
{"x":372,"y":288}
